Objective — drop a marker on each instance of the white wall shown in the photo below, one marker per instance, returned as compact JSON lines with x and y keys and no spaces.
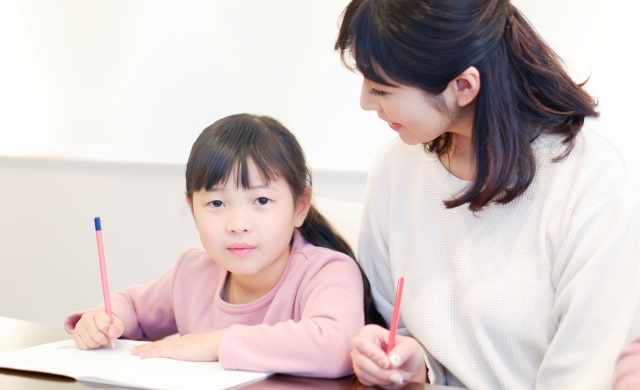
{"x":100,"y":102}
{"x":138,"y":80}
{"x":598,"y":41}
{"x":48,"y":255}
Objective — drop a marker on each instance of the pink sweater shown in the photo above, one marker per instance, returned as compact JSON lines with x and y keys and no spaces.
{"x":303,"y":326}
{"x":627,"y":373}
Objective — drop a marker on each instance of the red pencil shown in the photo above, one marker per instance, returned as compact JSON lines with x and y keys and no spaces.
{"x":103,"y":271}
{"x":395,"y":317}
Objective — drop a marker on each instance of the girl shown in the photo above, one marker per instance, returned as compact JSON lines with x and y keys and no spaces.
{"x":275,"y":289}
{"x":515,"y":225}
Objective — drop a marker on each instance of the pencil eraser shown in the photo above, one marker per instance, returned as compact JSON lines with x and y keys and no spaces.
{"x":96,"y":220}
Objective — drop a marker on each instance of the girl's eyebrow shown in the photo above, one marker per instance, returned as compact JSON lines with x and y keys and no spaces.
{"x":261,"y":186}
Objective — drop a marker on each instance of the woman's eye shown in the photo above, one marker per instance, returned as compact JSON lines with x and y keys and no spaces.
{"x":376,"y":92}
{"x":216,"y":203}
{"x":262,"y":200}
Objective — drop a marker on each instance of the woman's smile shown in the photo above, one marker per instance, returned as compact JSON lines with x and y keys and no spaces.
{"x":395,"y":126}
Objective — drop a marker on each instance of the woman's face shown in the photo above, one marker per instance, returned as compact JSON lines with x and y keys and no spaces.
{"x":411,"y":113}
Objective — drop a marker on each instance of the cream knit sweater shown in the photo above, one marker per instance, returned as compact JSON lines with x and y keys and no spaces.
{"x":541,"y":293}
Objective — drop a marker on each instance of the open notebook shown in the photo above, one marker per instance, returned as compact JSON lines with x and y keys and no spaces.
{"x":118,"y":367}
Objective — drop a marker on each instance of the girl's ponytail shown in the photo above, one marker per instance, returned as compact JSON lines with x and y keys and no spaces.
{"x":319,"y":232}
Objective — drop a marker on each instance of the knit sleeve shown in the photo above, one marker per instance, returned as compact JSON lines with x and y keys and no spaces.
{"x":374,"y":260}
{"x":147,"y":310}
{"x":144,"y":310}
{"x":597,"y":294}
{"x":373,"y":253}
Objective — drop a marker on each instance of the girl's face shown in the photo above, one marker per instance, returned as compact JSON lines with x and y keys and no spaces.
{"x":411,"y":113}
{"x":248,"y":231}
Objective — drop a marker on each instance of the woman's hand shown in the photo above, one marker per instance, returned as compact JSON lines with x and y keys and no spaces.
{"x":95,"y":330}
{"x":201,"y":347}
{"x":373,"y":367}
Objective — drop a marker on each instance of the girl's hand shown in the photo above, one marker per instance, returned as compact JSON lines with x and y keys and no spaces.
{"x":95,"y":330}
{"x":201,"y":347}
{"x":373,"y":367}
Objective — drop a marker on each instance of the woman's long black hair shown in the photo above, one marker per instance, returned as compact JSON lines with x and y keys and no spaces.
{"x":524,"y":91}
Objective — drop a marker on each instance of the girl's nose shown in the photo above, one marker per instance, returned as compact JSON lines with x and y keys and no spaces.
{"x":368,"y":102}
{"x":238,"y":222}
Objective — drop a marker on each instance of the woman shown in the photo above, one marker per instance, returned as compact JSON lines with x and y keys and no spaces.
{"x":514,"y":224}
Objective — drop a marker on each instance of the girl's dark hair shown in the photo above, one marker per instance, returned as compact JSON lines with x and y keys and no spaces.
{"x":524,"y":91}
{"x":232,"y":142}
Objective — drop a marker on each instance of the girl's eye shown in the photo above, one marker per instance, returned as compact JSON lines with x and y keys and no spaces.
{"x":376,"y":92}
{"x":216,"y":203}
{"x":262,"y":200}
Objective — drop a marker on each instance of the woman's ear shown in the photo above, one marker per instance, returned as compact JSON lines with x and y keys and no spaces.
{"x":466,"y":86}
{"x":302,"y":207}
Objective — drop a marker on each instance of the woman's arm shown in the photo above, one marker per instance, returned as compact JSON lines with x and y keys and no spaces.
{"x":597,"y":295}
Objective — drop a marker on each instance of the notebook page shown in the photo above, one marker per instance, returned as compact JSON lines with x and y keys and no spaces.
{"x":119,"y":367}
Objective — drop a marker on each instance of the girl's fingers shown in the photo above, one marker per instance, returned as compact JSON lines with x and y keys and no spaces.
{"x":144,"y":350}
{"x":155,"y":349}
{"x":78,"y":340}
{"x":84,"y":340}
{"x":88,"y":333}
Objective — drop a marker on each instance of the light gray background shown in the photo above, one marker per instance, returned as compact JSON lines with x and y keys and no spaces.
{"x":100,"y":102}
